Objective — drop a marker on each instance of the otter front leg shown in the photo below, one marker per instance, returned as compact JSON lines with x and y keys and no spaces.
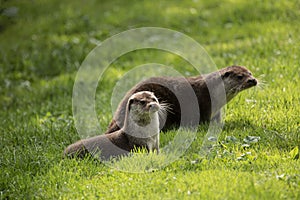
{"x":153,"y":145}
{"x":217,"y":117}
{"x":156,"y":145}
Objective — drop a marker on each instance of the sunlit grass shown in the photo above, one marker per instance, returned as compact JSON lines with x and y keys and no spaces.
{"x":42,"y":47}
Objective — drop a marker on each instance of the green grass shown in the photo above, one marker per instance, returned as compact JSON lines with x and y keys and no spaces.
{"x":42,"y":47}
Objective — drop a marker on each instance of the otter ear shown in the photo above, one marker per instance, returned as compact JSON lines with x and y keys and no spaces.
{"x":226,"y":74}
{"x":130,"y":103}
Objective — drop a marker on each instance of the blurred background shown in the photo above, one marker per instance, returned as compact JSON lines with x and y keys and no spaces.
{"x":43,"y":44}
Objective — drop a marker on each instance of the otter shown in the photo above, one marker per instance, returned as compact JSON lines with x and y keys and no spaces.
{"x":232,"y":79}
{"x":140,"y":130}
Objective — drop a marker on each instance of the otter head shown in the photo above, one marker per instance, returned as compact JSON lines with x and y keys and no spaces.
{"x":236,"y":79}
{"x":143,"y":107}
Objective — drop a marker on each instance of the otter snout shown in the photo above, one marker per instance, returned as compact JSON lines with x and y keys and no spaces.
{"x":252,"y":81}
{"x":153,"y":107}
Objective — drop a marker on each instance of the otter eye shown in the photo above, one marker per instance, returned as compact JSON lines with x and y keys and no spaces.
{"x":153,"y":99}
{"x":227,"y":74}
{"x":142,"y":102}
{"x":240,"y":77}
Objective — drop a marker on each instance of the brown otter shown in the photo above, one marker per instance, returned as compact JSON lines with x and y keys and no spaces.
{"x":209,"y":91}
{"x":141,"y":129}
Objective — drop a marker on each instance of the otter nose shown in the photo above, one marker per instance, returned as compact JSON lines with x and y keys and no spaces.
{"x":252,"y":81}
{"x":153,"y":107}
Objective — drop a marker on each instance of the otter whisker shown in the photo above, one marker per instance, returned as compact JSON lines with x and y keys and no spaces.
{"x":164,"y":103}
{"x":162,"y":114}
{"x":261,"y":83}
{"x":233,"y":90}
{"x":166,"y":107}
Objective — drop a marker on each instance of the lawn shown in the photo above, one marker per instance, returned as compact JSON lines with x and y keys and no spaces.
{"x":43,"y":44}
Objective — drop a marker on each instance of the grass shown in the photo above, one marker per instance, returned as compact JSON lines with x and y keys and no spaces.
{"x":42,"y":47}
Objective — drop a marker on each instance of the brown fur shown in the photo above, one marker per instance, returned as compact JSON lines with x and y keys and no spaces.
{"x":137,"y":132}
{"x":235,"y":79}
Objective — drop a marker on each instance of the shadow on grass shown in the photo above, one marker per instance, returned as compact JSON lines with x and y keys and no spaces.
{"x":270,"y":138}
